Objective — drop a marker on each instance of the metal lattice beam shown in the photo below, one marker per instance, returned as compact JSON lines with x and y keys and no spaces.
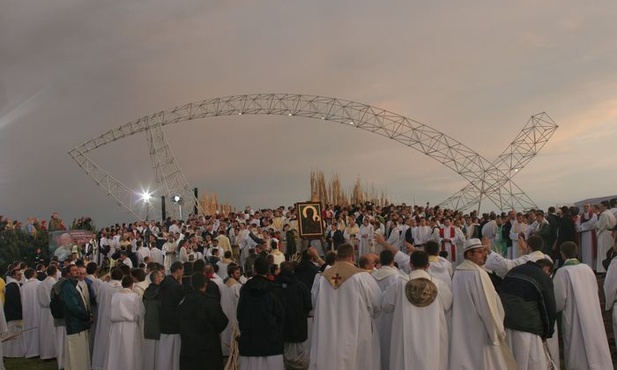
{"x":490,"y":180}
{"x":123,"y":195}
{"x":169,"y":178}
{"x":525,"y":146}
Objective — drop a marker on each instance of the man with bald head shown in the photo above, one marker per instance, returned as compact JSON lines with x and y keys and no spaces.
{"x":346,"y":300}
{"x":418,"y":334}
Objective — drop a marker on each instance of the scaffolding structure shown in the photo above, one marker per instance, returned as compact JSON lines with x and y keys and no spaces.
{"x":486,"y":180}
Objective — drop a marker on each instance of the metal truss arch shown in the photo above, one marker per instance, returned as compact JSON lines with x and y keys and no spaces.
{"x":486,"y":179}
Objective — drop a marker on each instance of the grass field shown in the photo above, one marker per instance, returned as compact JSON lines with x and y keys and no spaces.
{"x":29,"y":364}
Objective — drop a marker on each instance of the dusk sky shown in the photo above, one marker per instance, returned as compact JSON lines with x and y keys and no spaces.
{"x":70,"y":70}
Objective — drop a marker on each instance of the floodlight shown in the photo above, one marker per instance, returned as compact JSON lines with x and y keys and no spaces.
{"x":146,"y":196}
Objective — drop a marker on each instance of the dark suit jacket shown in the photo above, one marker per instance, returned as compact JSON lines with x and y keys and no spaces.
{"x":507,"y":227}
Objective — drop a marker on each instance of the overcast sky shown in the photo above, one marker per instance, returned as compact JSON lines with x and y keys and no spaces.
{"x":70,"y":70}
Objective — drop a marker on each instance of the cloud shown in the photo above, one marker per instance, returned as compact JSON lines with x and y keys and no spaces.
{"x":72,"y":70}
{"x":19,"y":109}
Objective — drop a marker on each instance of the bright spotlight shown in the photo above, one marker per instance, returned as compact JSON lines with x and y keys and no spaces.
{"x":176,"y":198}
{"x":146,"y":196}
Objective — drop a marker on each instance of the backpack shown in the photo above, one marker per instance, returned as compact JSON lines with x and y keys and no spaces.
{"x":56,"y":305}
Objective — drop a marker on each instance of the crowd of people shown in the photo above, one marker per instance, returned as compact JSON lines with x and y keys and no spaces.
{"x":390,"y":287}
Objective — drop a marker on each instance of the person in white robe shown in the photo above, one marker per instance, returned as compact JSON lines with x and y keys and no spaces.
{"x":351,"y":235}
{"x":195,"y":254}
{"x":394,"y":236}
{"x":125,"y":337}
{"x":471,"y":229}
{"x":232,"y":287}
{"x":139,"y":282}
{"x":103,"y":301}
{"x":346,"y":301}
{"x":277,"y":256}
{"x":385,"y":276}
{"x":223,"y":264}
{"x":419,"y":330}
{"x":519,"y":228}
{"x":183,"y":255}
{"x":228,"y":303}
{"x":532,"y":224}
{"x":31,"y":313}
{"x":423,"y":233}
{"x":93,"y":282}
{"x":439,"y":267}
{"x":170,"y":250}
{"x":224,"y":243}
{"x":156,"y":255}
{"x":378,"y":230}
{"x":47,"y":347}
{"x":451,"y":239}
{"x":613,"y":205}
{"x":489,"y":230}
{"x":531,"y":249}
{"x":585,"y":345}
{"x":477,"y":334}
{"x":606,"y":222}
{"x":587,"y":227}
{"x":142,"y":252}
{"x":248,"y":242}
{"x":85,"y":288}
{"x":610,"y":291}
{"x":401,"y":259}
{"x":244,"y":242}
{"x":365,"y":236}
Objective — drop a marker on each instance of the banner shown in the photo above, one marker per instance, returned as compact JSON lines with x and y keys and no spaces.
{"x":78,"y":237}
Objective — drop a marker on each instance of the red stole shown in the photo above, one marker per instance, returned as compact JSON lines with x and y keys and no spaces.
{"x":442,"y":232}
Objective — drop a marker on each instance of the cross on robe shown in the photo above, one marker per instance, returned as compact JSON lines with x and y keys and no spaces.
{"x":335,"y":279}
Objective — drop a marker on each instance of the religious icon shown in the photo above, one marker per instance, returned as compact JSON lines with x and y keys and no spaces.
{"x":310,"y":223}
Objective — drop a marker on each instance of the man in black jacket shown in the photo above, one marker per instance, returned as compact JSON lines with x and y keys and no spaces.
{"x":152,"y":331}
{"x":171,"y":292}
{"x":13,"y":314}
{"x":507,"y":227}
{"x":78,"y":320}
{"x":260,"y":319}
{"x":306,"y":270}
{"x":335,"y":237}
{"x":296,"y":299}
{"x":529,"y":303}
{"x":201,"y":322}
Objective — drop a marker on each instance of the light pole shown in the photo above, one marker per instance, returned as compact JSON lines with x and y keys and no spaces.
{"x":146,"y":197}
{"x":178,"y":200}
